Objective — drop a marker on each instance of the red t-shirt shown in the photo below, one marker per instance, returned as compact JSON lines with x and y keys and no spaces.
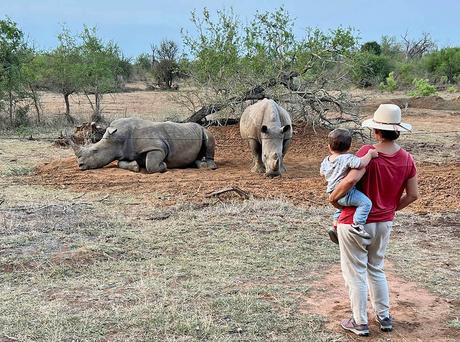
{"x":384,"y":182}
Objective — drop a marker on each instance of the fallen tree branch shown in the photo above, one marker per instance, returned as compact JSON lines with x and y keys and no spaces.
{"x":236,"y":189}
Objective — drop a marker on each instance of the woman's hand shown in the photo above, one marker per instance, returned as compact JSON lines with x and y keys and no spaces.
{"x":345,"y":185}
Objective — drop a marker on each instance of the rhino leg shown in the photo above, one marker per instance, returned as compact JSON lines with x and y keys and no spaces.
{"x":131,"y":166}
{"x":256,"y":149}
{"x":201,"y":164}
{"x":286,"y":144}
{"x":154,"y":162}
{"x":210,"y":147}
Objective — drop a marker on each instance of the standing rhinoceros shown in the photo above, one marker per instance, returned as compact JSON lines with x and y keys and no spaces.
{"x":156,"y":146}
{"x":268,"y":128}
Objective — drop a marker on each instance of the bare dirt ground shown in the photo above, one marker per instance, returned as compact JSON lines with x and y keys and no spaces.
{"x":302,"y":183}
{"x":420,"y":315}
{"x":417,"y":312}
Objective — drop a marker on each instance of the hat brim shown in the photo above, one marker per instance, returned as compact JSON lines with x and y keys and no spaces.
{"x":402,"y":127}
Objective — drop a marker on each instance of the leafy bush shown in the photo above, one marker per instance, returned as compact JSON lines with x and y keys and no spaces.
{"x":390,"y":83}
{"x":165,"y":67}
{"x":445,"y":62}
{"x":371,"y":47}
{"x":21,"y":116}
{"x":451,"y":89}
{"x":369,"y":69}
{"x":422,"y":88}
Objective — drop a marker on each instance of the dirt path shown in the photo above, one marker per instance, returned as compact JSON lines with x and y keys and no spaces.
{"x":418,"y":314}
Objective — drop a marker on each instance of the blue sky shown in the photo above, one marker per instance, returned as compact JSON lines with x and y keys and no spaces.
{"x":135,"y":24}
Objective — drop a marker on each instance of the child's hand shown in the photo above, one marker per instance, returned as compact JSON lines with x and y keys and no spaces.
{"x":373,"y":153}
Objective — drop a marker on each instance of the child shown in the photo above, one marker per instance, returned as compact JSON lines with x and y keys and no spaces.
{"x":334,"y":168}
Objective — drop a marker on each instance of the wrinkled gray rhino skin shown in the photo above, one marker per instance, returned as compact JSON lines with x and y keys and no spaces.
{"x":268,"y":129}
{"x":155,"y":146}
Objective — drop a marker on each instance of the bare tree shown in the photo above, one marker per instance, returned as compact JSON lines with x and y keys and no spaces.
{"x":416,"y":48}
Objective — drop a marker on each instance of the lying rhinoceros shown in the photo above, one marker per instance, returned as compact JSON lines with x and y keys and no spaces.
{"x":268,"y":128}
{"x":137,"y":143}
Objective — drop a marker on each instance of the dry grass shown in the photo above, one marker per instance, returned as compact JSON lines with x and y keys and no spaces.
{"x":84,"y":266}
{"x":425,"y":249}
{"x":76,"y":270}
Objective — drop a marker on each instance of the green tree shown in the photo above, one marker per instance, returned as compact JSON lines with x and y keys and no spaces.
{"x":142,"y":67}
{"x":14,"y":53}
{"x":445,"y":62}
{"x":35,"y":72}
{"x":390,"y":47}
{"x":369,"y":69}
{"x":233,"y":62}
{"x":63,"y":69}
{"x":165,"y":68}
{"x":371,"y":47}
{"x":101,"y":68}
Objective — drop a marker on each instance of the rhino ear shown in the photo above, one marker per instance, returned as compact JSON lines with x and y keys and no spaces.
{"x":111,"y":130}
{"x":286,"y":128}
{"x":264,"y":129}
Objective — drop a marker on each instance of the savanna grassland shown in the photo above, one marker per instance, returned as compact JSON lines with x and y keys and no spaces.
{"x":113,"y":255}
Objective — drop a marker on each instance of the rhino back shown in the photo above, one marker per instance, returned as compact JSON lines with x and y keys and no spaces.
{"x":181,"y":142}
{"x":184,"y":142}
{"x":265,"y":112}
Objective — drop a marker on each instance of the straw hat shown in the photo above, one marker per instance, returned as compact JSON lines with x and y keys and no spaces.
{"x":387,"y":118}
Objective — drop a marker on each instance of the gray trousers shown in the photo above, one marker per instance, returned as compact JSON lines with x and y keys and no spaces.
{"x":362,"y":263}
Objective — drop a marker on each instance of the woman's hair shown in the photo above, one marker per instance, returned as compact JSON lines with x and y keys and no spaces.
{"x":340,"y":140}
{"x":388,"y":135}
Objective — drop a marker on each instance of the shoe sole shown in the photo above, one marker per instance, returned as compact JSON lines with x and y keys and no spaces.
{"x":356,"y":233}
{"x":333,"y":236}
{"x":357,"y":332}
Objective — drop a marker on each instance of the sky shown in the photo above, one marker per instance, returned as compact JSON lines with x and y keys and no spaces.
{"x":136,"y":24}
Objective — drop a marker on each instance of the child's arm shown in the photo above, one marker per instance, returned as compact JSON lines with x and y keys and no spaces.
{"x":372,"y":153}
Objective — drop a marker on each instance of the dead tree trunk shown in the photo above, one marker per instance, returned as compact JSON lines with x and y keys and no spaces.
{"x":256,"y":93}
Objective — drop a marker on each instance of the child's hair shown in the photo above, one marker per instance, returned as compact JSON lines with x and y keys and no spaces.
{"x":340,"y":140}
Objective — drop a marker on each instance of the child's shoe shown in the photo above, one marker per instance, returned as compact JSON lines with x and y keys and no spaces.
{"x":358,"y":229}
{"x":333,"y":234}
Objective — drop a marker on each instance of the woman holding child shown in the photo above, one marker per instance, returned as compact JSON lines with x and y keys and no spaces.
{"x":390,"y":182}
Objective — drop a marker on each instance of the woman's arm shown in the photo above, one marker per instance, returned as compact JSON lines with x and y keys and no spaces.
{"x":350,"y":180}
{"x":411,"y":194}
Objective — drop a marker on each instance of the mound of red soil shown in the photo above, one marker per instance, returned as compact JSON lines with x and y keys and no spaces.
{"x":302,"y":183}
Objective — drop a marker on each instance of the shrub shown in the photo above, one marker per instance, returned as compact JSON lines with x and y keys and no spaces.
{"x":445,"y":62}
{"x":371,"y":47}
{"x":451,"y":89}
{"x":18,"y":171}
{"x":390,"y":83}
{"x":370,"y":69}
{"x":22,"y":116}
{"x":422,"y":88}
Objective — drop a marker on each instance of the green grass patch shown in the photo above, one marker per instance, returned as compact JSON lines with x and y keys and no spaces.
{"x":455,"y":323}
{"x":17,"y":171}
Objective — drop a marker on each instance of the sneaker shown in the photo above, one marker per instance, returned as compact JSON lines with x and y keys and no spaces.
{"x":333,"y":234}
{"x":358,"y":329}
{"x":358,"y":229}
{"x":386,"y":324}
